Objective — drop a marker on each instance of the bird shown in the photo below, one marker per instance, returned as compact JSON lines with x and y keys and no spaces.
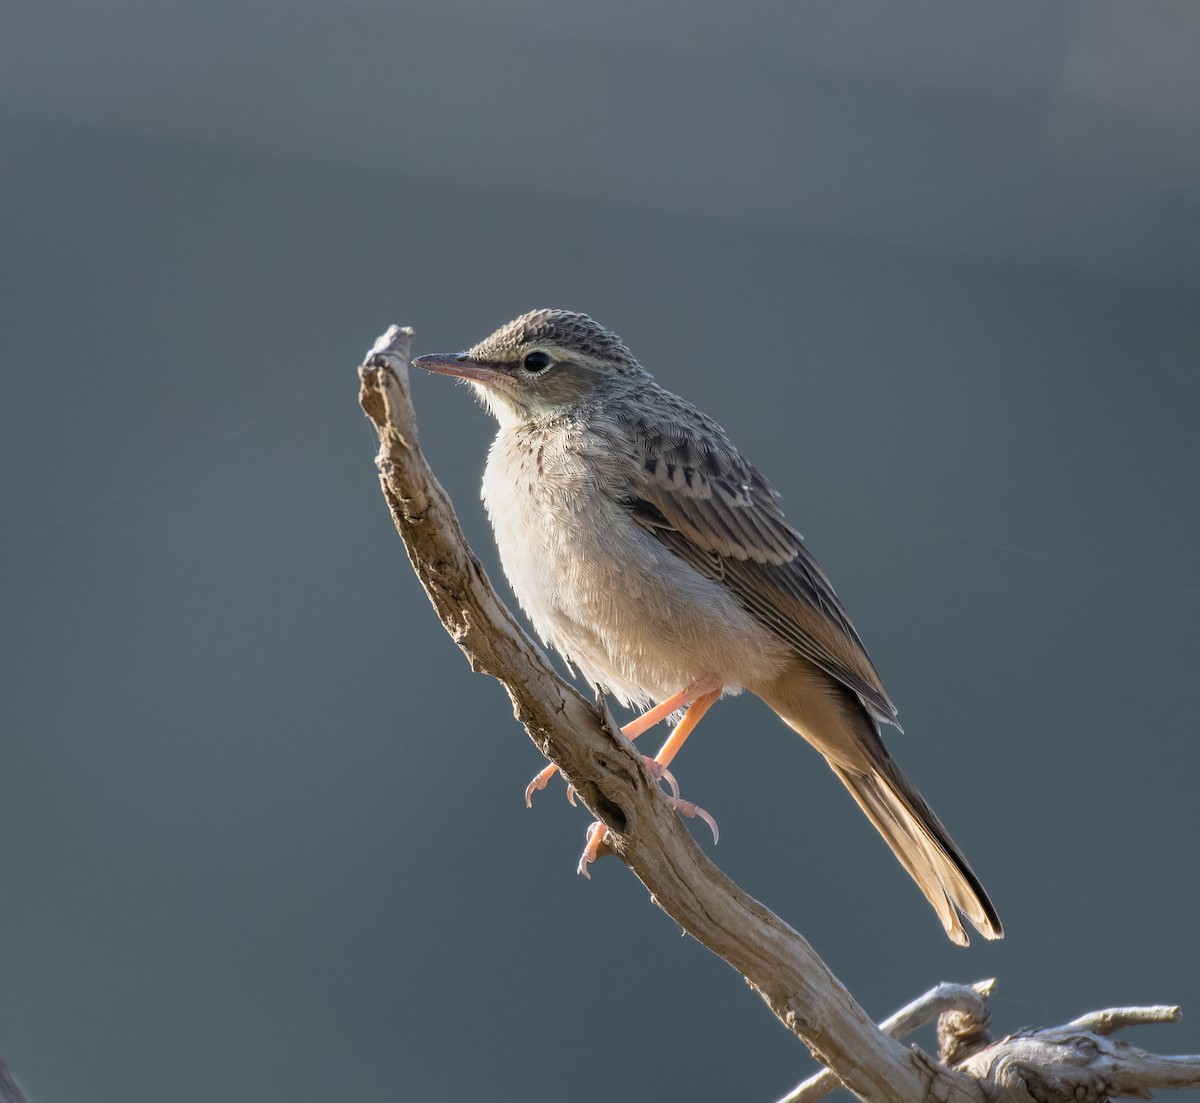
{"x":657,"y":561}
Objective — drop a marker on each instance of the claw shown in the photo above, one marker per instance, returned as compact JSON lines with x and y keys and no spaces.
{"x":660,"y":773}
{"x":539,"y":782}
{"x":697,"y":699}
{"x":694,"y":811}
{"x":595,"y":836}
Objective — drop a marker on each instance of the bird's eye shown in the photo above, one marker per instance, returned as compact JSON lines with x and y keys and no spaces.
{"x":536,"y":362}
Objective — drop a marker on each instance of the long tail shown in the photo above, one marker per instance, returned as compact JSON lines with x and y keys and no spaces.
{"x":924,"y":847}
{"x":834,"y":721}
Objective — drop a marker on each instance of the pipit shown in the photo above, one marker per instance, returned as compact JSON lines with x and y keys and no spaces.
{"x":657,"y":561}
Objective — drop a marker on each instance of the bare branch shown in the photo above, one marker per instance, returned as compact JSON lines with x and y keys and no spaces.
{"x":968,"y":1003}
{"x":1071,"y":1064}
{"x":1110,"y":1021}
{"x":963,"y":1030}
{"x":1075,"y":1062}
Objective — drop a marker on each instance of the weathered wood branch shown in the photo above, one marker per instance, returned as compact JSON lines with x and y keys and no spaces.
{"x":647,"y":835}
{"x":1081,"y":1063}
{"x":963,"y":1018}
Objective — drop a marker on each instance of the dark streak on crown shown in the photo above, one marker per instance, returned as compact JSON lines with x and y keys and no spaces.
{"x":561,"y":329}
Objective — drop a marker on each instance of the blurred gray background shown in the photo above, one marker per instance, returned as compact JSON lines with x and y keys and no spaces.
{"x":934,"y":265}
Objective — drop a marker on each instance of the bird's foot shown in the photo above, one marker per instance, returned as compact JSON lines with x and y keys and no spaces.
{"x":709,"y":690}
{"x":539,"y":782}
{"x":660,"y":773}
{"x":692,"y":812}
{"x":598,"y":832}
{"x":657,"y":771}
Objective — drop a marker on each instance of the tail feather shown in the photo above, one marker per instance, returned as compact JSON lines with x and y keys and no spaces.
{"x":835,"y":722}
{"x":924,"y":848}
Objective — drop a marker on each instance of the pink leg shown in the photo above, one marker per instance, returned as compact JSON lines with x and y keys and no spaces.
{"x":632,"y":730}
{"x":701,"y":703}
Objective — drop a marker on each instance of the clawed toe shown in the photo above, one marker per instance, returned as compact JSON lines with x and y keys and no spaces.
{"x":596,"y":834}
{"x":697,"y":699}
{"x":694,"y":811}
{"x":657,"y":771}
{"x":660,"y":773}
{"x":539,"y":782}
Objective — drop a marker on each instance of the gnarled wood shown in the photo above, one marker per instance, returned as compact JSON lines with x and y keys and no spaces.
{"x":1081,"y":1062}
{"x":963,"y":1017}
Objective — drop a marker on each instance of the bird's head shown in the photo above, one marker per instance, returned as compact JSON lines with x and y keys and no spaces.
{"x":541,"y":364}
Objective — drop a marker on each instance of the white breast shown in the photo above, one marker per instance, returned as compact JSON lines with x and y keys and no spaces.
{"x":599,"y":588}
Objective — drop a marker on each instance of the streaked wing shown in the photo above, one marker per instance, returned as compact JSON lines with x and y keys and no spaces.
{"x":716,"y":512}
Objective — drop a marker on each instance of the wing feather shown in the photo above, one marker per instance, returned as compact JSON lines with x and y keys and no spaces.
{"x":710,"y":507}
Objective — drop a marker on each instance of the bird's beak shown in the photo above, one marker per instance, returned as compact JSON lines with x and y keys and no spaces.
{"x":459,"y":365}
